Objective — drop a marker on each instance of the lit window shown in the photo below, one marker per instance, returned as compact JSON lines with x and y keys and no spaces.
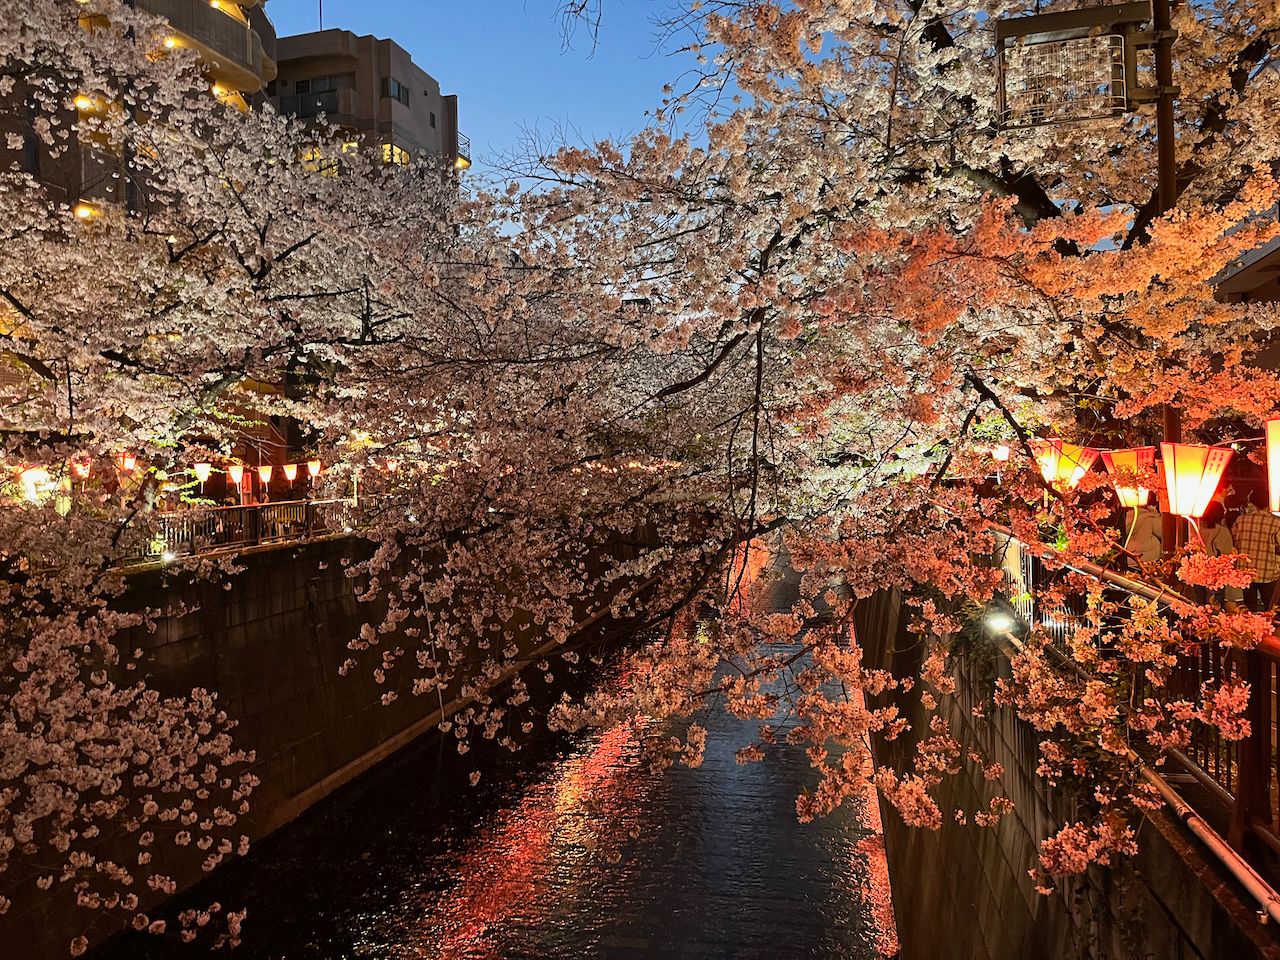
{"x":232,"y":98}
{"x":314,"y":161}
{"x":392,"y":153}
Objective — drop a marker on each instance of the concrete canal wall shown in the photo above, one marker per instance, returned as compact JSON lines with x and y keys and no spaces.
{"x":963,"y":892}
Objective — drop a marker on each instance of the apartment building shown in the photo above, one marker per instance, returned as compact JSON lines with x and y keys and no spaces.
{"x":372,"y":87}
{"x":235,"y":41}
{"x":236,"y":46}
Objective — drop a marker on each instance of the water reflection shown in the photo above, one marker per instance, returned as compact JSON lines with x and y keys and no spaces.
{"x":570,"y":848}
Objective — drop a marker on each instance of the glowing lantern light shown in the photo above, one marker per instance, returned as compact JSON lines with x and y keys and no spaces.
{"x":202,"y":471}
{"x":313,"y":468}
{"x":35,"y":481}
{"x":1191,"y":475}
{"x":1132,"y":462}
{"x":81,"y":468}
{"x":236,"y":473}
{"x":1001,"y":453}
{"x":290,"y":471}
{"x":1273,"y":463}
{"x":128,"y":461}
{"x":1063,"y":464}
{"x":264,"y":472}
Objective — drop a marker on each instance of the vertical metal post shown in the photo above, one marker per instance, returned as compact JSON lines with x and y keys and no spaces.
{"x":1174,"y":531}
{"x":1253,"y":784}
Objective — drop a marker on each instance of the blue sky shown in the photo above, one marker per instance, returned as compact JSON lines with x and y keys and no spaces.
{"x":506,"y":61}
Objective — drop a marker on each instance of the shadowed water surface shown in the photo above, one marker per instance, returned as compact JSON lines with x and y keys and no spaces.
{"x":570,"y":848}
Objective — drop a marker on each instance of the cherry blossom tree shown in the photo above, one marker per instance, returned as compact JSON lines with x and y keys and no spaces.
{"x":582,"y":400}
{"x":233,"y":249}
{"x":892,"y":283}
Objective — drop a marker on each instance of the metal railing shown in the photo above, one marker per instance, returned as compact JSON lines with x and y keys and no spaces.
{"x":1241,"y":775}
{"x":199,"y":531}
{"x":304,"y":105}
{"x":208,"y":25}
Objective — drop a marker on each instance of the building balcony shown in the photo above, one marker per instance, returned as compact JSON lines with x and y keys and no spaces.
{"x":338,"y":107}
{"x":462,"y":154}
{"x":221,"y":35}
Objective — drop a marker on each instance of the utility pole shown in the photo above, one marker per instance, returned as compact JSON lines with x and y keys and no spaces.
{"x":1174,"y":529}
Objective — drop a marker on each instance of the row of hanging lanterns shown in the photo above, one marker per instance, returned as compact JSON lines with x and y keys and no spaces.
{"x":127,"y":462}
{"x":1191,"y":471}
{"x":235,"y":471}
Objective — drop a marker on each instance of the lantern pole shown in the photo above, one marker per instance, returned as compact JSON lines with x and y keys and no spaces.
{"x":1174,"y":532}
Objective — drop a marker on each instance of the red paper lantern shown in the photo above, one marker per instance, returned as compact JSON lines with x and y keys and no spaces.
{"x":1273,"y":463}
{"x":1191,"y":475}
{"x":1063,"y":464}
{"x":1132,"y":463}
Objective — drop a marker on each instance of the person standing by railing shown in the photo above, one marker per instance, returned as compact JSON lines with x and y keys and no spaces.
{"x":1216,"y":537}
{"x":1144,"y":541}
{"x":1257,"y":535}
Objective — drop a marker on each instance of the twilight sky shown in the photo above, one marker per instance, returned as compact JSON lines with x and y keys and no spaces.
{"x":506,"y":61}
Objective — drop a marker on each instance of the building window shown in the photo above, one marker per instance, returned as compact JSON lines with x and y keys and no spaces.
{"x":396,"y":90}
{"x":391,"y":153}
{"x":314,"y":161}
{"x":316,"y":85}
{"x":433,"y":119}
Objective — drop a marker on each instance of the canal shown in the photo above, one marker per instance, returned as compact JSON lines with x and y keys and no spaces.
{"x":571,"y":847}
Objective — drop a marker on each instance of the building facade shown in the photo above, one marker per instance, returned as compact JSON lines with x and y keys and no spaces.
{"x":236,"y":46}
{"x":371,"y":87}
{"x":1254,"y":278}
{"x":235,"y":41}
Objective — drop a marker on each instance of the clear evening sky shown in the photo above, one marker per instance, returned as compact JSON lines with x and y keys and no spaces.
{"x":506,"y":61}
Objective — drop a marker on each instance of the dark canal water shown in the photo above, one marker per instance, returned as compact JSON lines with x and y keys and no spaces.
{"x":571,"y":847}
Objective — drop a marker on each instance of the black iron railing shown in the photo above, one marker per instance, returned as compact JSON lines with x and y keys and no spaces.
{"x":213,"y":529}
{"x":1242,"y":775}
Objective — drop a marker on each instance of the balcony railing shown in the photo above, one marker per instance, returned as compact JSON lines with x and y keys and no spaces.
{"x":462,"y":159}
{"x":189,"y":533}
{"x":305,"y":105}
{"x":209,"y":26}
